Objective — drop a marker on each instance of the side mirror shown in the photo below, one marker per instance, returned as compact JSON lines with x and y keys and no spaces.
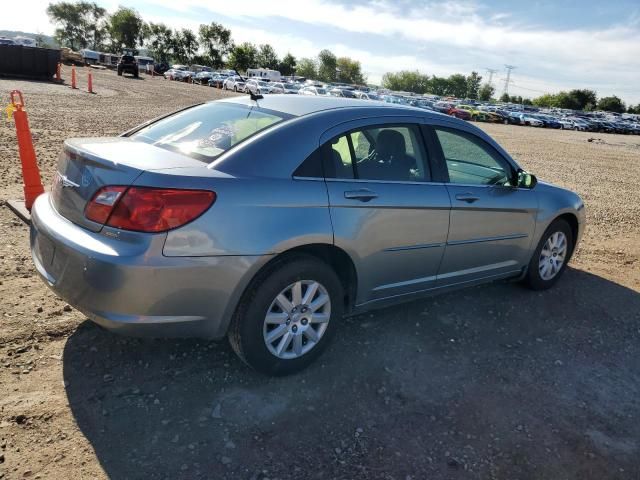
{"x":526,"y":180}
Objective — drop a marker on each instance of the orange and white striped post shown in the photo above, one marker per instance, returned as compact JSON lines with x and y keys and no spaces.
{"x":59,"y":72}
{"x":73,"y":76}
{"x":32,"y":182}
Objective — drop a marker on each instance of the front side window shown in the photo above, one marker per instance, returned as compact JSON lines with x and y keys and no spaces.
{"x":470,"y":161}
{"x":207,"y":131}
{"x":385,"y":153}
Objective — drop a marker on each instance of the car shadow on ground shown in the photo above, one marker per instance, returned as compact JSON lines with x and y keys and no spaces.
{"x":491,"y":382}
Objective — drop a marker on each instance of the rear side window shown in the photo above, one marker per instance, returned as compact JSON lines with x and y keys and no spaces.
{"x":207,"y":131}
{"x":384,"y":153}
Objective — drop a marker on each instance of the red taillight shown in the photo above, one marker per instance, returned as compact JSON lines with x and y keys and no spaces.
{"x":145,"y":209}
{"x":100,"y":206}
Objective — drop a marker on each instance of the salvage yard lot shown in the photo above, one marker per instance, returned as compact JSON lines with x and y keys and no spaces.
{"x":491,"y":382}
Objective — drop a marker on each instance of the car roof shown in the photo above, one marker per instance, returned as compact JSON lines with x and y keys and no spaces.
{"x":306,"y":105}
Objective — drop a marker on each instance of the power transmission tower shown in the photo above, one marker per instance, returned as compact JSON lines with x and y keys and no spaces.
{"x":491,"y":71}
{"x":508,"y":79}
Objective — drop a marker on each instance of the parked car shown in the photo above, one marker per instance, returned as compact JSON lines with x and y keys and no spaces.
{"x":128,"y":64}
{"x":367,"y":95}
{"x":217,"y":80}
{"x":459,"y":113}
{"x":342,"y":92}
{"x":203,"y":77}
{"x":285,"y":87}
{"x":312,"y":90}
{"x":234,"y":83}
{"x":211,"y":221}
{"x":178,"y":72}
{"x":548,"y":121}
{"x":6,"y":41}
{"x":581,"y":125}
{"x":530,"y":120}
{"x":257,"y":86}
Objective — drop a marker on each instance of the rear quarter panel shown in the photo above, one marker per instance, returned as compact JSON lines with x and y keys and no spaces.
{"x":251,"y":215}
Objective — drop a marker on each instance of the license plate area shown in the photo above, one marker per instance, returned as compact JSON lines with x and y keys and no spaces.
{"x":46,"y":250}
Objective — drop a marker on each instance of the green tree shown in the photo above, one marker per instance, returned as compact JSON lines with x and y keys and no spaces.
{"x":185,"y":45}
{"x":126,"y":29}
{"x":527,"y":101}
{"x":566,"y":100}
{"x":406,"y":81}
{"x":243,"y":57}
{"x":267,"y":57}
{"x":160,"y":41}
{"x":216,"y":42}
{"x":287,"y":65}
{"x":584,"y":99}
{"x":327,"y":64}
{"x":505,"y":98}
{"x":635,"y":110}
{"x":611,"y":104}
{"x":486,"y":92}
{"x":80,"y":24}
{"x":307,"y":67}
{"x":546,"y":101}
{"x":457,"y":85}
{"x":473,"y":85}
{"x":350,"y":71}
{"x":438,"y":86}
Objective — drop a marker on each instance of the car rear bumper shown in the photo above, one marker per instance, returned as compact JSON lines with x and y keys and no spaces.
{"x":125,"y":284}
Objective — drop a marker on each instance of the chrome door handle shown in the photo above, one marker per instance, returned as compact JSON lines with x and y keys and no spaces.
{"x":364,"y":195}
{"x":467,"y":197}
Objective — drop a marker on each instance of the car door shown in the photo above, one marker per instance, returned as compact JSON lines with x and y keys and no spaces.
{"x":491,"y":223}
{"x":386,"y":212}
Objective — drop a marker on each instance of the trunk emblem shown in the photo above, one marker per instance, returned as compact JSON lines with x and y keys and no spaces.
{"x":65,"y":182}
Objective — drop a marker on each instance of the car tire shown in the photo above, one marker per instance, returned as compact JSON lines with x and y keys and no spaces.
{"x":536,"y":279}
{"x":119,"y":73}
{"x":249,"y":327}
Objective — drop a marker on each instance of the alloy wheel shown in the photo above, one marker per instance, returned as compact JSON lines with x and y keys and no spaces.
{"x":297,"y":319}
{"x":552,"y":256}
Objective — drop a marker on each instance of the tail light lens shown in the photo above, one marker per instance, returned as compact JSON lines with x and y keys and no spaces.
{"x":100,"y":206}
{"x":145,"y":209}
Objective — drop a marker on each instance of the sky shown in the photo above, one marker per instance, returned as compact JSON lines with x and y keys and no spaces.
{"x":554,"y":44}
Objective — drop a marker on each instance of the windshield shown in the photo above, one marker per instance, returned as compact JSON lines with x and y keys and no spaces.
{"x":321,"y":91}
{"x":207,"y":131}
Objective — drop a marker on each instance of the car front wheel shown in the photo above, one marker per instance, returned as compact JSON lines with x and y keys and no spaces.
{"x":287,"y":316}
{"x":550,"y":258}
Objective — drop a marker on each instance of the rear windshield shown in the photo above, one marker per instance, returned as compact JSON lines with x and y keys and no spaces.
{"x":207,"y":131}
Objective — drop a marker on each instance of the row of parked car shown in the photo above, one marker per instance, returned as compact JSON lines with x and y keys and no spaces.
{"x":466,"y":110}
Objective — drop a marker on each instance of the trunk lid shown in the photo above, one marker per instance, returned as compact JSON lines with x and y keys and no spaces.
{"x":85,"y":165}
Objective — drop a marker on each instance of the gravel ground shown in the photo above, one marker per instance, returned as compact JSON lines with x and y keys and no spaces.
{"x":491,"y":382}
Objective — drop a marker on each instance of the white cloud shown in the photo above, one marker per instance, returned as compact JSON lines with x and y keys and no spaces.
{"x":604,"y":59}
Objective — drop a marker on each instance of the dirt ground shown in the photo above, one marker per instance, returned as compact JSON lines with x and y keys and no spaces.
{"x":493,"y":382}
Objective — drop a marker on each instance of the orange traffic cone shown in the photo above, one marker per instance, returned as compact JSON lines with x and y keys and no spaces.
{"x":73,"y":76}
{"x":58,"y":73}
{"x":30,"y":172}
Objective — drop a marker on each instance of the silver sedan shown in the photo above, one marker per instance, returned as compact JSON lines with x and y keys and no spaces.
{"x":269,"y":220}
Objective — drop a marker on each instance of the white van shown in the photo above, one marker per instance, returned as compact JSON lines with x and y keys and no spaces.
{"x":264,"y":74}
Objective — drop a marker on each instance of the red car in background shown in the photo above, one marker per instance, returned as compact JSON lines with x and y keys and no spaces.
{"x":451,"y":109}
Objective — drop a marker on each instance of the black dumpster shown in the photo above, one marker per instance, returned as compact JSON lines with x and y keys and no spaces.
{"x":29,"y":62}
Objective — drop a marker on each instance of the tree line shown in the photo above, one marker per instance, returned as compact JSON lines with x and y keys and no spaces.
{"x":83,"y":24}
{"x":471,"y":87}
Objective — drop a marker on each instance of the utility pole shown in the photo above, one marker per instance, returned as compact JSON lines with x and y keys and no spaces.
{"x":508,"y":79}
{"x":491,"y":71}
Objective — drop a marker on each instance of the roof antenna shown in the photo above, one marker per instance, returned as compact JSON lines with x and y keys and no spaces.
{"x":253,"y":96}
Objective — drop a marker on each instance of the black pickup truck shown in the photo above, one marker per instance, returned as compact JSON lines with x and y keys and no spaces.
{"x":128,"y":64}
